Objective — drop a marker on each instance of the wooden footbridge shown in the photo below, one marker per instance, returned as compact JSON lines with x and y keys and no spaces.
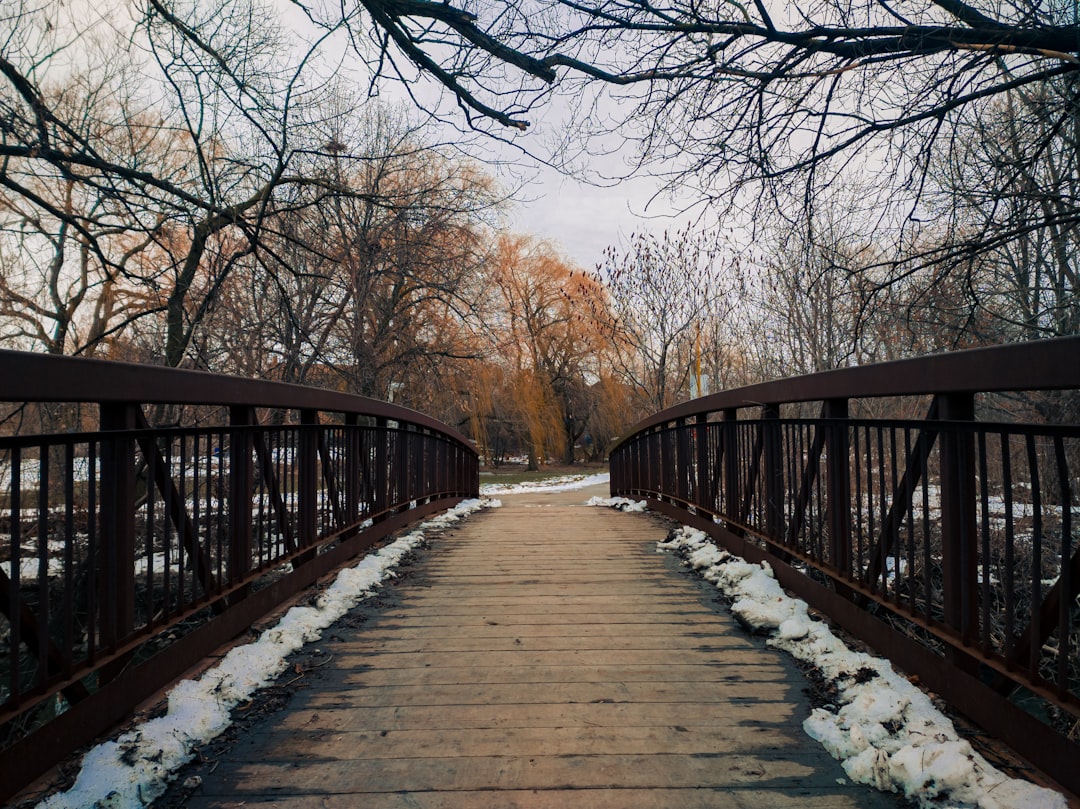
{"x":540,"y":653}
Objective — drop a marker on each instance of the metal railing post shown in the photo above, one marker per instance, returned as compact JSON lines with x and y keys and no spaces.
{"x":701,"y":437}
{"x":116,"y":562}
{"x":838,"y":484}
{"x":959,"y":544}
{"x":732,"y":491}
{"x":685,"y":461}
{"x":774,"y":472}
{"x":353,"y":468}
{"x":241,"y":485}
{"x":382,"y":467}
{"x":431,"y":462}
{"x":403,"y":467}
{"x":668,"y":458}
{"x":308,"y":478}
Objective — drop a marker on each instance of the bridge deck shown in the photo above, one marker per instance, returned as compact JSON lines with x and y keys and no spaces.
{"x":540,"y":655}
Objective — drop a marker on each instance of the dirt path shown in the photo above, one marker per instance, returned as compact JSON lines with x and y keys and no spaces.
{"x":540,"y":655}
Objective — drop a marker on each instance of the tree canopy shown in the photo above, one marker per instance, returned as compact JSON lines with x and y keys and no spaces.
{"x":764,"y":107}
{"x":772,"y":87}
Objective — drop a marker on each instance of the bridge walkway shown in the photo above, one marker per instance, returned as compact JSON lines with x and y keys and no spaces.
{"x":542,"y":654}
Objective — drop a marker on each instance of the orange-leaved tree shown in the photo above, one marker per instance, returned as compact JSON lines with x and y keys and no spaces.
{"x":551,"y":329}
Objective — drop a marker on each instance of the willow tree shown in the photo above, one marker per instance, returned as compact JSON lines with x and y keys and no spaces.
{"x":550,"y":326}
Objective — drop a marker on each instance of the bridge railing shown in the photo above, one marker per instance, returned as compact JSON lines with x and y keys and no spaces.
{"x":128,"y":552}
{"x":950,"y":541}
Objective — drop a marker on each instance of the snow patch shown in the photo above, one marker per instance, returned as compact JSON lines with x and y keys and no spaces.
{"x":884,"y":730}
{"x":621,"y":503}
{"x":134,"y":769}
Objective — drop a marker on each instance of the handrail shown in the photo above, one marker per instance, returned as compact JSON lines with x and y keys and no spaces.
{"x":1036,"y":365}
{"x":130,"y":552}
{"x":31,"y":377}
{"x":950,"y":544}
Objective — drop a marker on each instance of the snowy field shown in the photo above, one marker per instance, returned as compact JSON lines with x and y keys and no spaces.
{"x":883,"y":730}
{"x":564,"y":483}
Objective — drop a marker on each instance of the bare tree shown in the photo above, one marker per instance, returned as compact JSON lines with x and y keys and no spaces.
{"x":1023,"y":284}
{"x":778,"y":100}
{"x":373,"y":292}
{"x":664,"y":291}
{"x":218,"y":84}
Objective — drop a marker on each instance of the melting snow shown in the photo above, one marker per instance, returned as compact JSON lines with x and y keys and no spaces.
{"x":134,"y":769}
{"x":621,"y":503}
{"x":884,"y":730}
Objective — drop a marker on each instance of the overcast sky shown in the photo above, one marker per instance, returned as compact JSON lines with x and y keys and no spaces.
{"x":584,"y":219}
{"x":581,"y":218}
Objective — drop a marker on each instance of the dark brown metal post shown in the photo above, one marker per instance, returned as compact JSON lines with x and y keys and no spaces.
{"x":353,"y":468}
{"x":460,"y":473}
{"x":701,"y":438}
{"x":116,"y":562}
{"x":402,"y":468}
{"x":838,"y":483}
{"x":382,"y":468}
{"x":308,"y":479}
{"x":456,"y":477}
{"x":431,"y":449}
{"x":774,"y":472}
{"x":958,"y":526}
{"x":732,"y":494}
{"x":241,"y":485}
{"x":685,"y":464}
{"x":645,"y":456}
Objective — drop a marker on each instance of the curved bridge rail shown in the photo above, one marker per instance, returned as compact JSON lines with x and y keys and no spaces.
{"x":951,"y":542}
{"x":128,"y":552}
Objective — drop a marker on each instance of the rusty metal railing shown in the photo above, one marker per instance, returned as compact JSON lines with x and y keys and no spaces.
{"x":128,"y":551}
{"x":949,"y":542}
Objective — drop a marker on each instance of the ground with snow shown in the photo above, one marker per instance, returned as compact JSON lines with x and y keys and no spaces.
{"x":884,"y":730}
{"x":563,"y":483}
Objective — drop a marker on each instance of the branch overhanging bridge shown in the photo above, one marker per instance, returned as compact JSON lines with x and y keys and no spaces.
{"x":929,"y":507}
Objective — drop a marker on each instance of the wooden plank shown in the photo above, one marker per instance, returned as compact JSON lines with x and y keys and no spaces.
{"x":674,"y":672}
{"x":523,"y":599}
{"x":614,"y":640}
{"x":752,"y":797}
{"x":562,"y":741}
{"x":553,"y":659}
{"x":380,"y":631}
{"x":504,"y":694}
{"x":516,"y":772}
{"x":465,"y":717}
{"x":495,"y":617}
